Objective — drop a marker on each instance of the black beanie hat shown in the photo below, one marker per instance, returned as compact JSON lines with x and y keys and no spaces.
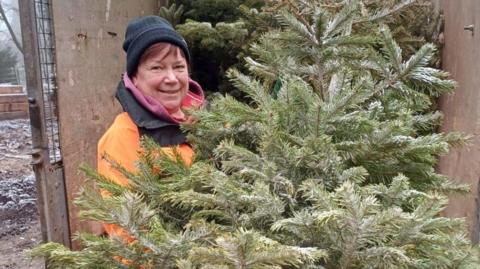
{"x":143,"y":32}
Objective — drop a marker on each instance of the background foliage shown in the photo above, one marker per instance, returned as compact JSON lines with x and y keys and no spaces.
{"x":220,"y":32}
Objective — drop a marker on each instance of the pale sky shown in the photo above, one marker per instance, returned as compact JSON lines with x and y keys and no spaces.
{"x":11,"y":8}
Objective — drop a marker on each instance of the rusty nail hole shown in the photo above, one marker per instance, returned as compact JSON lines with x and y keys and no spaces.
{"x":82,"y":36}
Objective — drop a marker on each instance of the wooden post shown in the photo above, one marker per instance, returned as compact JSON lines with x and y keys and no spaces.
{"x":89,"y":63}
{"x":461,"y":58}
{"x":51,"y":200}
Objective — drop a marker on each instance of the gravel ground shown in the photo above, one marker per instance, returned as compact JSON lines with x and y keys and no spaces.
{"x":19,"y":224}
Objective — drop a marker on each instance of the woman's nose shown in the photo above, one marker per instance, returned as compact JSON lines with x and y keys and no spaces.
{"x":170,"y":75}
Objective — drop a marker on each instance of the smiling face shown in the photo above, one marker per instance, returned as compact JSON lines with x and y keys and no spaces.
{"x":163,"y":75}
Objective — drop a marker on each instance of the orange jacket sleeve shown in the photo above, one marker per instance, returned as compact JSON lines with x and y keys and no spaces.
{"x":121,"y":142}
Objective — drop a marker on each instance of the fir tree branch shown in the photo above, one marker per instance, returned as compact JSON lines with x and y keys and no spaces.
{"x":299,"y":17}
{"x":387,"y":11}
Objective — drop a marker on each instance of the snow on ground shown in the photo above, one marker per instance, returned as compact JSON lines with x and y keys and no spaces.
{"x":19,"y":224}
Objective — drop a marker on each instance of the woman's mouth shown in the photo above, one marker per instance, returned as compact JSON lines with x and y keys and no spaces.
{"x":169,"y":91}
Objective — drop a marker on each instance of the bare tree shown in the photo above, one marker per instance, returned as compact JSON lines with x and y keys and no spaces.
{"x":4,"y":18}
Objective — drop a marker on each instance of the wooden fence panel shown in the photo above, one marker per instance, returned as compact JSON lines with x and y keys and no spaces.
{"x":89,"y":63}
{"x":461,"y":57}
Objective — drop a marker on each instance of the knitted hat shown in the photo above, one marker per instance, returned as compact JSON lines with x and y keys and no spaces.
{"x":145,"y":31}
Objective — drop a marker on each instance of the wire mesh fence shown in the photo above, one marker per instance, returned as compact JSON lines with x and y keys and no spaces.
{"x":46,"y":47}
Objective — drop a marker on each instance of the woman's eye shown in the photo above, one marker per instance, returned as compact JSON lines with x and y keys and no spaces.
{"x":179,"y":67}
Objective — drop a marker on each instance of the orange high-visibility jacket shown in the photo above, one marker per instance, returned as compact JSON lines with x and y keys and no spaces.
{"x":121,"y":142}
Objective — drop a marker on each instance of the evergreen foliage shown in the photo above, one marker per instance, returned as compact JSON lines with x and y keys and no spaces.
{"x":330,"y":165}
{"x":214,"y":50}
{"x":212,"y":11}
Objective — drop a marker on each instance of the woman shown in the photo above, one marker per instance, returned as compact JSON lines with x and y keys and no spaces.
{"x":153,"y":93}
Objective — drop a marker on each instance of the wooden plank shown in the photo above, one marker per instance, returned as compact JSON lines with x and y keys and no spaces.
{"x":13,"y":98}
{"x":18,"y":106}
{"x":57,"y":205}
{"x":461,"y":58}
{"x":11,"y":89}
{"x":13,"y":115}
{"x":4,"y":107}
{"x":13,"y":107}
{"x":88,"y":42}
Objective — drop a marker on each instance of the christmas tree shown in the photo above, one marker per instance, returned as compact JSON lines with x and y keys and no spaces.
{"x":329,"y":165}
{"x":219,"y":32}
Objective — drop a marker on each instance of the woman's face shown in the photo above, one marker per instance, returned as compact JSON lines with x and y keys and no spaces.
{"x":163,"y":75}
